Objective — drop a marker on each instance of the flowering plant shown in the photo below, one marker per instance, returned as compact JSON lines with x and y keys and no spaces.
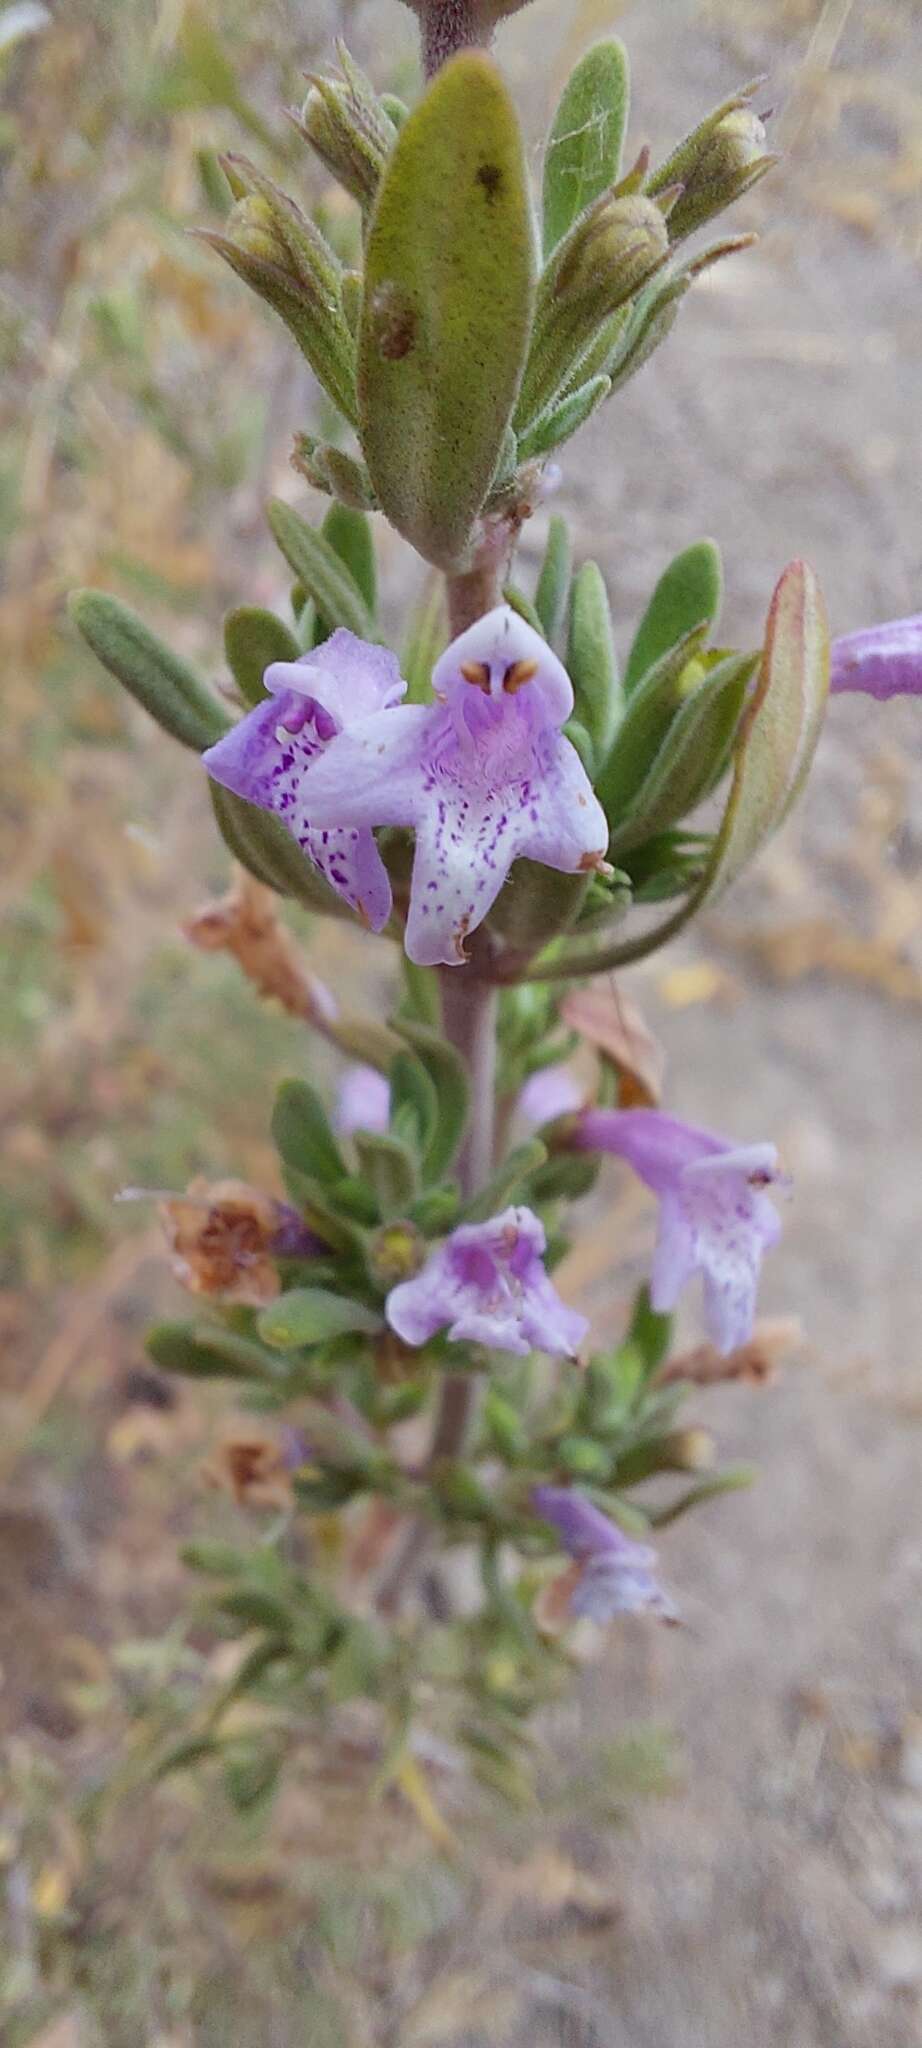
{"x":507,"y":807}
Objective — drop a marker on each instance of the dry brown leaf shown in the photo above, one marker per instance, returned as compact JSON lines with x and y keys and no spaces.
{"x":754,"y":1361}
{"x":612,"y":1022}
{"x":246,"y":923}
{"x":221,"y":1238}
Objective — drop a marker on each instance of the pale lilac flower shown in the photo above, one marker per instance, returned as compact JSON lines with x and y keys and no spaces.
{"x":548,"y":1093}
{"x":715,"y":1217}
{"x":264,"y":758}
{"x":363,"y":1101}
{"x":485,"y":775}
{"x":884,"y":661}
{"x":617,"y":1575}
{"x":488,"y":1284}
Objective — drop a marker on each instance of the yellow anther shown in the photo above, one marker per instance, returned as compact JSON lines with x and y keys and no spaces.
{"x":478,"y":673}
{"x":517,"y":674}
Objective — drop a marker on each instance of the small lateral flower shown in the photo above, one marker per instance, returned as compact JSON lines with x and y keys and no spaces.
{"x":225,"y":1238}
{"x":613,"y":1574}
{"x":363,"y":1102}
{"x":488,"y":1285}
{"x":883,"y":661}
{"x":715,"y":1217}
{"x":265,"y":757}
{"x":484,"y":775}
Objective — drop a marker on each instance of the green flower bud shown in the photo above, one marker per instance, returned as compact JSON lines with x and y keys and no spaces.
{"x":283,"y":257}
{"x":335,"y":473}
{"x":346,"y":125}
{"x":396,"y":1252}
{"x":733,"y":158}
{"x":610,"y":253}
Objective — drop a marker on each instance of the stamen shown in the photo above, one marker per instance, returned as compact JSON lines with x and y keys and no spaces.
{"x":519,"y":673}
{"x":478,"y":673}
{"x":595,"y":864}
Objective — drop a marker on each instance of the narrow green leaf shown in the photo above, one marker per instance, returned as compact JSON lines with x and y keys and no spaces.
{"x":696,"y":747}
{"x":688,"y":594}
{"x":583,"y":154}
{"x":254,"y":638}
{"x":312,"y":1315}
{"x":204,"y":1351}
{"x":427,"y":637}
{"x":647,"y":719}
{"x":413,"y":1096}
{"x":449,"y":280}
{"x":563,"y":419}
{"x":388,"y":1166}
{"x":553,"y":592}
{"x":591,"y":659}
{"x":166,"y":685}
{"x":349,"y":533}
{"x":515,"y":597}
{"x":449,"y":1077}
{"x":301,"y":1131}
{"x":780,"y":728}
{"x":524,"y":1161}
{"x":649,"y":1332}
{"x":320,"y":569}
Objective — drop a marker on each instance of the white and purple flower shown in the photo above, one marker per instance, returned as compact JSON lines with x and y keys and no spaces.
{"x":615,"y":1574}
{"x":548,"y":1093}
{"x":484,"y":775}
{"x":883,"y":661}
{"x":363,"y":1101}
{"x":488,"y":1285}
{"x":715,"y":1217}
{"x":267,"y":756}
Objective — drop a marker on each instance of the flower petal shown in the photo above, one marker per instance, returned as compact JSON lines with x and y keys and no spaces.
{"x":363,"y":1102}
{"x":500,"y":642}
{"x":372,"y":773}
{"x":463,"y":854}
{"x":350,"y":677}
{"x":265,"y":761}
{"x":885,"y":661}
{"x":562,"y":824}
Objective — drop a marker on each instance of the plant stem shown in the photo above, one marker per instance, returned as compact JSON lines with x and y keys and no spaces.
{"x":446,"y":26}
{"x":473,"y":593}
{"x":469,"y":1007}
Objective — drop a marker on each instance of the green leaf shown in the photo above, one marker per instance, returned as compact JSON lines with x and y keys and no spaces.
{"x":583,"y":154}
{"x":166,"y":686}
{"x":694,"y":751}
{"x":521,"y":1163}
{"x":649,"y":714}
{"x":562,"y":419}
{"x":688,"y":594}
{"x":263,"y":846}
{"x":204,"y":1351}
{"x":413,"y":1098}
{"x":553,"y":591}
{"x":254,"y":638}
{"x":515,"y":597}
{"x":321,"y":570}
{"x":449,"y":1077}
{"x":449,"y":281}
{"x":649,"y":1332}
{"x":301,"y":1131}
{"x":591,"y":659}
{"x":427,"y":637}
{"x":350,"y":534}
{"x":780,"y":728}
{"x":389,"y":1168}
{"x":312,"y":1315}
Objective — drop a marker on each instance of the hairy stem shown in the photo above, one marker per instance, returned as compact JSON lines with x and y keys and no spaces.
{"x":446,"y":26}
{"x":472,"y":594}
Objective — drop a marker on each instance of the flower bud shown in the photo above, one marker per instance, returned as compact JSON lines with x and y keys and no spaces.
{"x":346,"y":125}
{"x":396,"y":1252}
{"x":614,"y":248}
{"x":732,"y":159}
{"x":283,"y":257}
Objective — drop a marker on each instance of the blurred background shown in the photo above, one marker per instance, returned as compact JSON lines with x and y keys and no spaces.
{"x":770,"y":1886}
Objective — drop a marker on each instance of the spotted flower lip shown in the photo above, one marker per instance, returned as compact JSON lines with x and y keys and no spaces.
{"x":487,"y":1285}
{"x":615,"y":1575}
{"x":484,"y":774}
{"x":883,"y":661}
{"x":266,"y":756}
{"x":715,"y":1217}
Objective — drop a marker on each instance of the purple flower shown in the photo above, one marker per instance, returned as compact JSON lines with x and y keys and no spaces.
{"x":265,"y":757}
{"x":714,"y":1215}
{"x":487,"y":1282}
{"x":617,"y":1575}
{"x":484,"y":775}
{"x":548,"y":1093}
{"x":884,"y":661}
{"x":363,"y":1102}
